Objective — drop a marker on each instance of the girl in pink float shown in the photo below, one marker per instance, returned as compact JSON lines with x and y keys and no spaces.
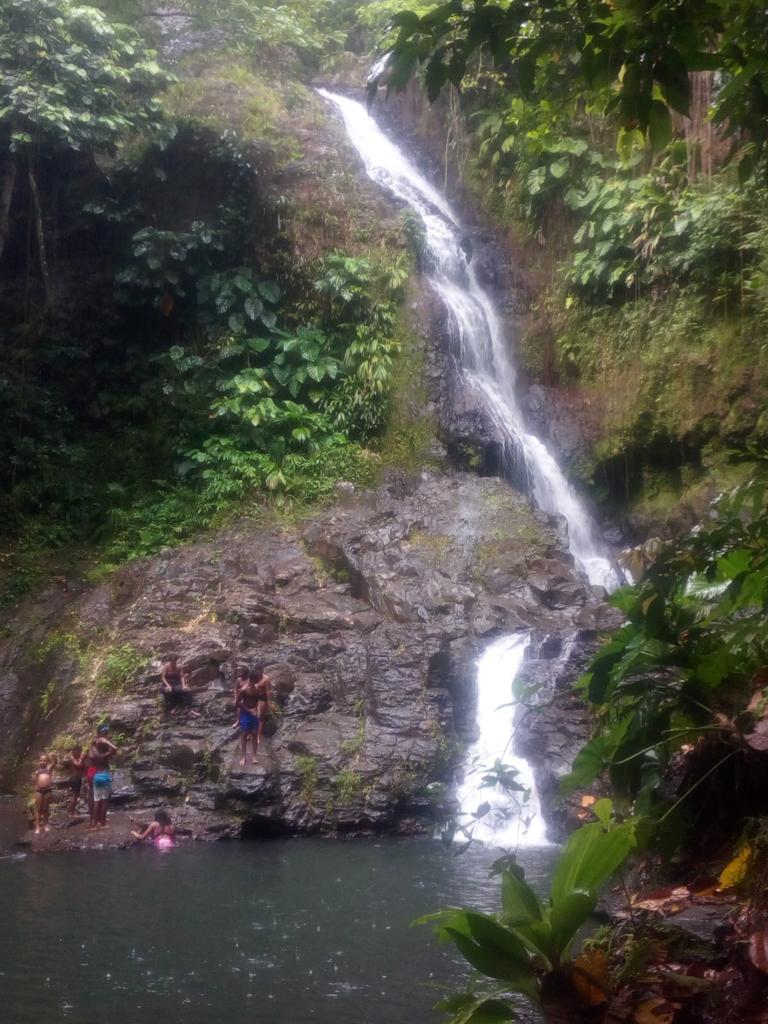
{"x":160,"y":832}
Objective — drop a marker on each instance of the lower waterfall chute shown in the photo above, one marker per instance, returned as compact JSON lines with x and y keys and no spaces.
{"x":508,"y":818}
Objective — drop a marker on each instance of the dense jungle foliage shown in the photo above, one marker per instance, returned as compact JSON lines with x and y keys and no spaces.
{"x":173,"y":356}
{"x":166,"y":357}
{"x":628,"y":141}
{"x":653,"y":226}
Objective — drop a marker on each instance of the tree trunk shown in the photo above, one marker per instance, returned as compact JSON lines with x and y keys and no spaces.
{"x":44,"y":272}
{"x":6,"y":195}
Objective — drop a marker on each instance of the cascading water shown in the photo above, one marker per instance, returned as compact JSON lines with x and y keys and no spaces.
{"x":483,"y":350}
{"x":510,"y":820}
{"x":488,"y":369}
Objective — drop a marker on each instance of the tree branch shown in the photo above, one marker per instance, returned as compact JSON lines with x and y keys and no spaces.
{"x":6,"y":196}
{"x":44,"y":272}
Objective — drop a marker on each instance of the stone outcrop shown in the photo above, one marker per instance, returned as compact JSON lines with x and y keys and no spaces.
{"x":551,"y":720}
{"x":368,"y":620}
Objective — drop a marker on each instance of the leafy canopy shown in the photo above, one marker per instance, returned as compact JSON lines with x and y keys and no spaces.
{"x":69,"y":77}
{"x":640,"y":51}
{"x":305,"y":26}
{"x":688,"y":658}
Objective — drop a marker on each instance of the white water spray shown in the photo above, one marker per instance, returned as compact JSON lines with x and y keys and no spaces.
{"x":511,"y":820}
{"x":484,"y":352}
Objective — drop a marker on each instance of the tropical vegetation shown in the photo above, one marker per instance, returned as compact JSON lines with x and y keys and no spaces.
{"x":182,"y":342}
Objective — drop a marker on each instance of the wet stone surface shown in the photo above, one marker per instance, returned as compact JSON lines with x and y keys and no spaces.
{"x":368,"y":620}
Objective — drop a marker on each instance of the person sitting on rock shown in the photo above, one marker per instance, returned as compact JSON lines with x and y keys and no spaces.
{"x":43,"y":790}
{"x":175,"y":687}
{"x":160,"y":831}
{"x":250,"y":703}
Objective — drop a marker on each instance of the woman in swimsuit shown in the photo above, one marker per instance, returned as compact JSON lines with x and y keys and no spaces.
{"x":43,"y":790}
{"x":176,"y":692}
{"x":160,"y":832}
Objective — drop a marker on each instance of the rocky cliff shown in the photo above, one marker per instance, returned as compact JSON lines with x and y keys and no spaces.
{"x":367,"y":618}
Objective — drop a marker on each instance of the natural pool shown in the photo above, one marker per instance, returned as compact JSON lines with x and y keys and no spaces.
{"x":282,"y":931}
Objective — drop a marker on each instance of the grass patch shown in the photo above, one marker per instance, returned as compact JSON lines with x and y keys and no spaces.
{"x":436,"y":546}
{"x":411,"y":435}
{"x":117,"y":666}
{"x":670,"y":388}
{"x":224,"y":95}
{"x":351,"y":748}
{"x":348,"y":785}
{"x":307,"y":767}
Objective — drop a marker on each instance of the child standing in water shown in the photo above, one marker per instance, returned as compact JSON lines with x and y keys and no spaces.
{"x":43,"y":789}
{"x":77,"y":769}
{"x":161,"y":832}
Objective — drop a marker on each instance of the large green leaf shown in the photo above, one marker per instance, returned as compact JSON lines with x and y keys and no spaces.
{"x":659,"y":125}
{"x":568,"y":915}
{"x":587,"y":764}
{"x":470,"y":1008}
{"x":519,"y":902}
{"x":497,"y":963}
{"x":492,"y":935}
{"x":590,"y":857}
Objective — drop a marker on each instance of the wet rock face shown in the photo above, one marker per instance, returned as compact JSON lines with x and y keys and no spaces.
{"x":551,"y":723}
{"x":368,"y":621}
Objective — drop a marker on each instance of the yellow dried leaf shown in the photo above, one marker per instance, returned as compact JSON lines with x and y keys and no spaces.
{"x":656,"y":1011}
{"x":735,"y":871}
{"x":589,"y":976}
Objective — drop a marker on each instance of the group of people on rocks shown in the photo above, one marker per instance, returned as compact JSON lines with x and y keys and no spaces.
{"x":91,"y":769}
{"x":252,"y":705}
{"x":252,"y":697}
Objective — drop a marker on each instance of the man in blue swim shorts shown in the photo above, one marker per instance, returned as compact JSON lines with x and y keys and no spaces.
{"x":249,"y":702}
{"x":100,"y":754}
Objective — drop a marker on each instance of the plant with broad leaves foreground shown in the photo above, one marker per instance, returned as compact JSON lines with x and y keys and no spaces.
{"x":526,"y":949}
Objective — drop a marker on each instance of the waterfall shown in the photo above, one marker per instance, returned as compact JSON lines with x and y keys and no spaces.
{"x":487,"y":368}
{"x":483,"y":349}
{"x":508,"y":821}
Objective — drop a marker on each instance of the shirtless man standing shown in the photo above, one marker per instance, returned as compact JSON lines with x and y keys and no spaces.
{"x":100,"y":777}
{"x":251,"y":704}
{"x":241,"y":678}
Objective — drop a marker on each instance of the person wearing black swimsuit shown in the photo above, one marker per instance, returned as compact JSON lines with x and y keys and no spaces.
{"x":173,"y":682}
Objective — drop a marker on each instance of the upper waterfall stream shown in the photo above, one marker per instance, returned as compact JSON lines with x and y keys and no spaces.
{"x":483,"y":349}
